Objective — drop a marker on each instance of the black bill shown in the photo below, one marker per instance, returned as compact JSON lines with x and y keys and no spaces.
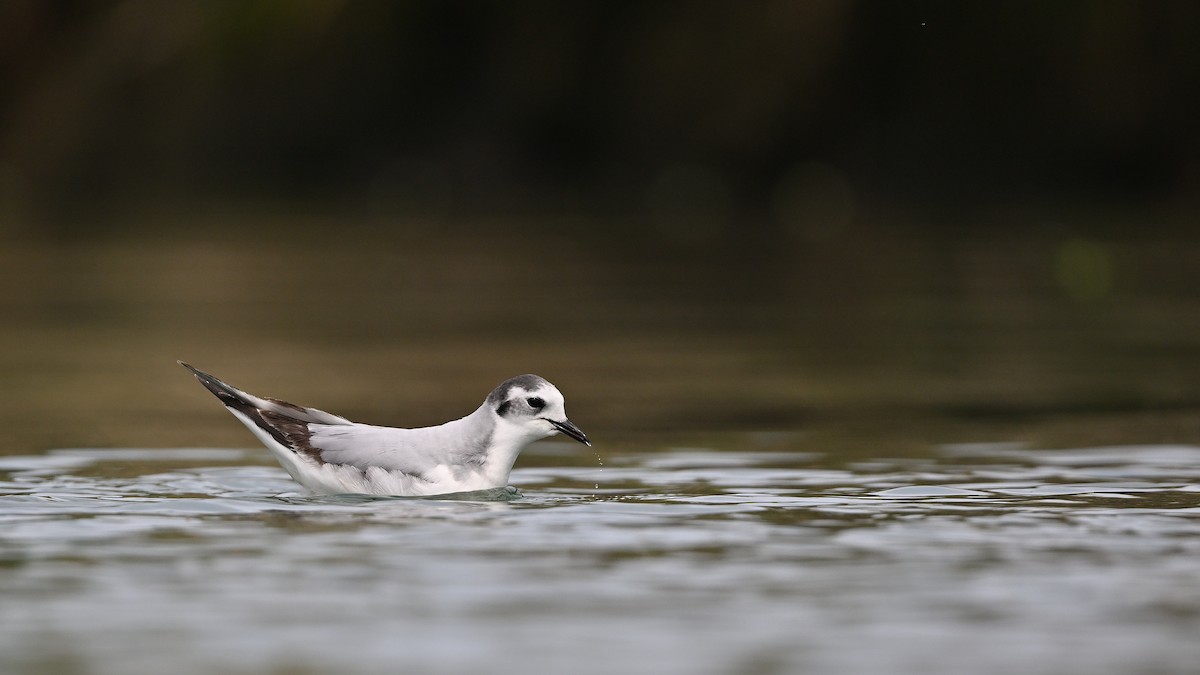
{"x":569,"y":429}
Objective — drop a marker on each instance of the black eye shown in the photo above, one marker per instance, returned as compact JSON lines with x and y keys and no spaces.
{"x":535,"y":403}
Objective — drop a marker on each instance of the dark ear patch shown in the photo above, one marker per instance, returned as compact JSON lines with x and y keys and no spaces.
{"x":502,"y":409}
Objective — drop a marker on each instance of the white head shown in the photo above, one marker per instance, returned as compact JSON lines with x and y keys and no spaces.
{"x":534,"y":407}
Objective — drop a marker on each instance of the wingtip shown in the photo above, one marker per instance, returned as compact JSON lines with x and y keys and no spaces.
{"x":217,"y":387}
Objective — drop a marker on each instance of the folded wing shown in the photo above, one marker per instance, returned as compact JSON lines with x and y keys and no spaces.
{"x":325,"y":439}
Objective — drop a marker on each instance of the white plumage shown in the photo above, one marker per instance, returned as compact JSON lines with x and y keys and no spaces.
{"x":329,"y":454}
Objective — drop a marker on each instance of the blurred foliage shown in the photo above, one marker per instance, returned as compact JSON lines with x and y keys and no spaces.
{"x":808,"y":114}
{"x":762,"y":214}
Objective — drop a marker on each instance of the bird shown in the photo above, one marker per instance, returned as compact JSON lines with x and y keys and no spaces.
{"x":328,"y":454}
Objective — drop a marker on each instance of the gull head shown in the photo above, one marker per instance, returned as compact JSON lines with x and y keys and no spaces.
{"x":533,"y":408}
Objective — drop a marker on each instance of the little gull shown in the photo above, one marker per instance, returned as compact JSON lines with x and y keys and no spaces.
{"x":331,"y":455}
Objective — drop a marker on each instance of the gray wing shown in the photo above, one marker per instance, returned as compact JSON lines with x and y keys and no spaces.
{"x":244,"y":403}
{"x":328,"y":439}
{"x":412,"y":451}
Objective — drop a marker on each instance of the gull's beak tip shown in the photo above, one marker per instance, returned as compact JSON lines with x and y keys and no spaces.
{"x":567,"y":428}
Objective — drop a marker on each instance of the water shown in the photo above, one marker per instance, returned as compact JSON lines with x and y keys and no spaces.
{"x":984,"y":558}
{"x":966,"y":465}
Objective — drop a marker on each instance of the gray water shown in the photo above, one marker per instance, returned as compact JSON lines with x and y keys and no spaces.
{"x":972,"y":465}
{"x":988,"y":558}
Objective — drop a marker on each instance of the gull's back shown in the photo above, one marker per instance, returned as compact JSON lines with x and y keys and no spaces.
{"x":329,"y":454}
{"x":452,"y":457}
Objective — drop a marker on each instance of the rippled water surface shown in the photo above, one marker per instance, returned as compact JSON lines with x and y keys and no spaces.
{"x":855,"y":538}
{"x":980,"y":558}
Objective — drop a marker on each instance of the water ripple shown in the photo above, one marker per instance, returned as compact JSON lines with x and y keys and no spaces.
{"x":984,"y":559}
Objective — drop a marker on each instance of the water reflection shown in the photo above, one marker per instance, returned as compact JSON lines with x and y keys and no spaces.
{"x":980,"y":558}
{"x":878,"y":329}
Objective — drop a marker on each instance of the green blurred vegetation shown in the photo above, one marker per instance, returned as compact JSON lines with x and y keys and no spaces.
{"x":710,"y":117}
{"x":690,"y":215}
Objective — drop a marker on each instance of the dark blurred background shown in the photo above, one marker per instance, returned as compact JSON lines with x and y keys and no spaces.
{"x":691,"y":215}
{"x":951,"y":109}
